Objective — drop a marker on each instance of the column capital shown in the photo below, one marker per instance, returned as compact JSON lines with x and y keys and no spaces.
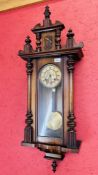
{"x":70,"y":63}
{"x":29,"y":66}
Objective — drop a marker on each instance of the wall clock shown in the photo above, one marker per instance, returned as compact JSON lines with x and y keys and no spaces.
{"x":50,"y":120}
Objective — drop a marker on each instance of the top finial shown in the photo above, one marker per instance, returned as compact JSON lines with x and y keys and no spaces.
{"x":27,"y":40}
{"x":47,"y":13}
{"x":70,"y":43}
{"x":28,"y":47}
{"x":70,"y":33}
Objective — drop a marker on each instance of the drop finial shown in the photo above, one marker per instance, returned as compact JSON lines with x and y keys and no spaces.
{"x":54,"y":165}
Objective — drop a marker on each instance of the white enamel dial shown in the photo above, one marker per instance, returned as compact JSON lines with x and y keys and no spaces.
{"x":50,"y":75}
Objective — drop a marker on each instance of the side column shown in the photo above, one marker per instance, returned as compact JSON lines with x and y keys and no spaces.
{"x":28,"y":131}
{"x":71,"y":133}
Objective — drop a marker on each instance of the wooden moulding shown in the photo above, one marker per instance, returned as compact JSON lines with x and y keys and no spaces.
{"x":63,"y":147}
{"x":10,"y":4}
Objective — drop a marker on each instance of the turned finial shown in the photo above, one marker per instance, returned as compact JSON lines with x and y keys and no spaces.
{"x":54,"y":165}
{"x":70,"y":33}
{"x":28,"y":47}
{"x":28,"y":40}
{"x":70,"y":39}
{"x":47,"y":12}
{"x":47,"y":21}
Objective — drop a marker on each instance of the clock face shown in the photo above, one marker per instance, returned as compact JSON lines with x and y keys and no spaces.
{"x":50,"y":76}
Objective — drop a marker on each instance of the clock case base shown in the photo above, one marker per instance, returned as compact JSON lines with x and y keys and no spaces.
{"x":49,"y":155}
{"x":55,"y":157}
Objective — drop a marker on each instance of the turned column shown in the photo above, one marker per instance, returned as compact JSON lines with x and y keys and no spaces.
{"x":38,"y":42}
{"x":71,"y":133}
{"x":58,"y":39}
{"x":28,"y":131}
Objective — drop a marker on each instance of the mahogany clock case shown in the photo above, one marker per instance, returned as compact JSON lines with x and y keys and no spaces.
{"x":50,"y":120}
